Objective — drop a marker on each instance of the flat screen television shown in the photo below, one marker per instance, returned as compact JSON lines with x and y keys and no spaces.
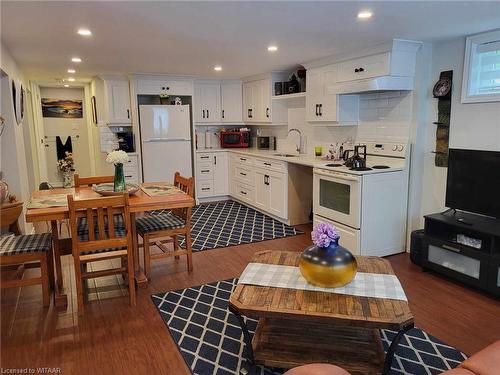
{"x":473,"y":182}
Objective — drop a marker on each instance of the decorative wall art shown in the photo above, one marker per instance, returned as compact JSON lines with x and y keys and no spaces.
{"x":442,"y":91}
{"x":62,"y":108}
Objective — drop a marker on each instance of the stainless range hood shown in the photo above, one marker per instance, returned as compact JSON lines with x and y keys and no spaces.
{"x":383,"y":83}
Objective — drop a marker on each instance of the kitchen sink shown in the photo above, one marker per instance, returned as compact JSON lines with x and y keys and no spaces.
{"x":286,"y":155}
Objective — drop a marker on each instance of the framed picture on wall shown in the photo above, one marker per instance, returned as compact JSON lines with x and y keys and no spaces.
{"x":62,"y":108}
{"x":94,"y":110}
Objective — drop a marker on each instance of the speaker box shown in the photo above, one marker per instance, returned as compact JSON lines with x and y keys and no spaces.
{"x":417,"y":246}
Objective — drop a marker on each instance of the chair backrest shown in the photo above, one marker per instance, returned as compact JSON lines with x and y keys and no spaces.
{"x":186,"y":184}
{"x":89,"y":181}
{"x":9,"y":214}
{"x":100,"y":220}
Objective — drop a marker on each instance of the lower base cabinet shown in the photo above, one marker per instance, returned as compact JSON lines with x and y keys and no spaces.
{"x":212,"y":174}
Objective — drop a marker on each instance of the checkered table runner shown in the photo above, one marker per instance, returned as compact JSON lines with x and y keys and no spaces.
{"x":364,"y":284}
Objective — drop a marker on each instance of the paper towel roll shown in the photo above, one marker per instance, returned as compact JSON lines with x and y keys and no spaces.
{"x":208,"y":139}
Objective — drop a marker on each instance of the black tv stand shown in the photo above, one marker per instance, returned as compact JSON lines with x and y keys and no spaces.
{"x":446,"y":251}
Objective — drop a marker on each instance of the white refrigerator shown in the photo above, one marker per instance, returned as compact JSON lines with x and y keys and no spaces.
{"x":165,"y":141}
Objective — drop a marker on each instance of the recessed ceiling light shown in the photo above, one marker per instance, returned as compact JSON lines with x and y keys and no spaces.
{"x":218,"y":68}
{"x":66,"y":85}
{"x":71,"y":79}
{"x":84,"y":32}
{"x":272,"y":48}
{"x":76,"y":59}
{"x":71,"y":71}
{"x":364,"y":14}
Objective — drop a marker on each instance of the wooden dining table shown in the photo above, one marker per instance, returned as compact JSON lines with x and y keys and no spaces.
{"x":139,"y":202}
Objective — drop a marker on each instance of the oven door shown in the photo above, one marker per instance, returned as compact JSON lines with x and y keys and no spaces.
{"x":337,"y":196}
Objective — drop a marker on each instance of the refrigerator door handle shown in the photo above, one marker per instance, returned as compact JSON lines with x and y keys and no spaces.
{"x":165,"y":140}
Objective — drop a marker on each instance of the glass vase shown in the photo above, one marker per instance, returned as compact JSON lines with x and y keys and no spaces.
{"x":67,"y":179}
{"x":119,"y":183}
{"x":328,"y":267}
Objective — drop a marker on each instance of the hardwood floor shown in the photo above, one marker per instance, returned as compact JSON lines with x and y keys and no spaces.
{"x":112,"y":337}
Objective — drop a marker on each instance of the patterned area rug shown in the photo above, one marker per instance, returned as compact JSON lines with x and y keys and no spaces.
{"x":210,"y":339}
{"x":230,"y":223}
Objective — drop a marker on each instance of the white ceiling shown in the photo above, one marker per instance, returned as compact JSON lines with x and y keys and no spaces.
{"x":191,"y":37}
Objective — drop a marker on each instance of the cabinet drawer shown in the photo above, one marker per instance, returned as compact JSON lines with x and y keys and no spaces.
{"x":243,"y":174}
{"x":205,"y":188}
{"x":275,"y":165}
{"x":204,"y":158}
{"x":132,"y":160}
{"x":244,"y":193}
{"x":242,"y":159}
{"x":364,"y":67}
{"x":204,"y":171}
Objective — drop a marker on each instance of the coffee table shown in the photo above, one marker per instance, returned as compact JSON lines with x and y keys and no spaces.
{"x":298,"y":327}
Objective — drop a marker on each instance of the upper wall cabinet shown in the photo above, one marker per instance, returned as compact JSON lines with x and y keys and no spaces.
{"x":325,"y":106}
{"x":156,"y":85}
{"x":117,"y":94}
{"x":207,"y":100}
{"x":231,"y":102}
{"x":258,"y":106}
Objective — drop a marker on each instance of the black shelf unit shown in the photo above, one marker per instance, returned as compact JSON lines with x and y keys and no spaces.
{"x":478,"y":267}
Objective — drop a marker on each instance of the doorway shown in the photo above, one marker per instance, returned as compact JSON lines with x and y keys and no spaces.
{"x":65,"y":129}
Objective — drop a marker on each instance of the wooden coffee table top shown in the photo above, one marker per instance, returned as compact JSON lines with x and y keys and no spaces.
{"x":346,"y":310}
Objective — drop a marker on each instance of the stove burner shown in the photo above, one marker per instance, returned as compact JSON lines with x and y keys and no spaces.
{"x":334,"y":165}
{"x":361,"y":169}
{"x":380,"y":167}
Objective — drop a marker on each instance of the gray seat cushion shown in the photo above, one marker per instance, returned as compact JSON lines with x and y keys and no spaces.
{"x":83,"y":232}
{"x":30,"y":243}
{"x":158,"y":222}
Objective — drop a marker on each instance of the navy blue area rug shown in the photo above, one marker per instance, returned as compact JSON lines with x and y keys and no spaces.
{"x":210,"y":339}
{"x":230,"y":223}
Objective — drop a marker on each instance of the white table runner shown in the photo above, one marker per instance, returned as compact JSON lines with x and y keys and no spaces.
{"x":364,"y":284}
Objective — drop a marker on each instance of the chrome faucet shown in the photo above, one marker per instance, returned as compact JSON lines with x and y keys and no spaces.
{"x":300,"y":146}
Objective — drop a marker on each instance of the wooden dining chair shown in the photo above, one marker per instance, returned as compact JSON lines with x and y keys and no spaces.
{"x":105,"y":235}
{"x":25,"y":251}
{"x":89,"y":181}
{"x":173,"y":223}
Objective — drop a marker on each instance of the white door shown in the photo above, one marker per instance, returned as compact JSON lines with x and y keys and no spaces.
{"x":118,"y":93}
{"x":337,"y":196}
{"x":221,"y":173}
{"x":207,"y":102}
{"x":265,"y":90}
{"x":277,"y":194}
{"x":261,"y":190}
{"x":314,"y":94}
{"x":328,"y":105}
{"x":247,"y":101}
{"x":231,"y":102}
{"x":257,"y":102}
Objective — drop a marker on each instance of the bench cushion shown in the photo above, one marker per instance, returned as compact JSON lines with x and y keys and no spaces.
{"x":30,"y":243}
{"x":159,"y":222}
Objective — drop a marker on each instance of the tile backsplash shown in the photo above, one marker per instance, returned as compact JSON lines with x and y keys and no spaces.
{"x":382,"y":116}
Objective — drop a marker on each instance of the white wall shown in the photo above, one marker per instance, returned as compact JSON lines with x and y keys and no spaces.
{"x":472,"y":126}
{"x":13,"y":142}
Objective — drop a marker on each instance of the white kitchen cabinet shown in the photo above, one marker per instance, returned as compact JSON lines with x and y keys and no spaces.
{"x":258,"y":106}
{"x":364,"y":67}
{"x":118,"y":101}
{"x":212,"y":174}
{"x":131,"y":169}
{"x":156,"y":85}
{"x":261,"y":190}
{"x":271,"y":192}
{"x":231,"y":102}
{"x":325,"y":106}
{"x":207,"y":103}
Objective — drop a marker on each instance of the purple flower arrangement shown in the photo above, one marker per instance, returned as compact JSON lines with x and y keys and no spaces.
{"x":323,"y":234}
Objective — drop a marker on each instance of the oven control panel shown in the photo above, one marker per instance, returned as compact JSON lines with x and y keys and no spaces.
{"x":386,"y":149}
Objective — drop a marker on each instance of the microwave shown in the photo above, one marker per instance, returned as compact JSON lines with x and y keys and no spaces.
{"x":266,"y":143}
{"x":235,"y":139}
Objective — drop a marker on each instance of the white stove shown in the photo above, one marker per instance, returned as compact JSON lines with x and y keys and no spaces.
{"x":367,"y":206}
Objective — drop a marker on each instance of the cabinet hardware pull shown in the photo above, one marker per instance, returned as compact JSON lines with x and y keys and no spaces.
{"x":205,"y":170}
{"x":222,"y":113}
{"x":266,"y":179}
{"x":242,"y":192}
{"x":204,"y":157}
{"x":451,"y":248}
{"x":215,"y":160}
{"x":128,"y":113}
{"x":243,"y":174}
{"x":203,"y":113}
{"x":268,"y":164}
{"x":128,"y":176}
{"x":356,"y":70}
{"x":267,"y":112}
{"x":168,"y":88}
{"x":361,"y":70}
{"x":208,"y":114}
{"x":317,"y":108}
{"x":321,"y":109}
{"x":205,"y":189}
{"x":243,"y":159}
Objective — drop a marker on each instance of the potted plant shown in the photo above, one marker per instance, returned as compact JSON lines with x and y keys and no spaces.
{"x":66,"y":167}
{"x":118,"y":158}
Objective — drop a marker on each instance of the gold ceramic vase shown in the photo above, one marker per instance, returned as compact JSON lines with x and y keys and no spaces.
{"x":328,"y":267}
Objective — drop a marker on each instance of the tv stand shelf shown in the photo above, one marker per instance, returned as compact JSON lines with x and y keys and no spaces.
{"x":448,"y":249}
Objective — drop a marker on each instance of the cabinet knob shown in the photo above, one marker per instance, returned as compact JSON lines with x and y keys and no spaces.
{"x":361,"y":70}
{"x":356,"y":70}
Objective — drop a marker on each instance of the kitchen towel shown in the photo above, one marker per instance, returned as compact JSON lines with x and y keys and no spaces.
{"x":62,"y":148}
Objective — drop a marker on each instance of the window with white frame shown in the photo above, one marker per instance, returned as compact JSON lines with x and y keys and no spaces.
{"x":481,"y":80}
